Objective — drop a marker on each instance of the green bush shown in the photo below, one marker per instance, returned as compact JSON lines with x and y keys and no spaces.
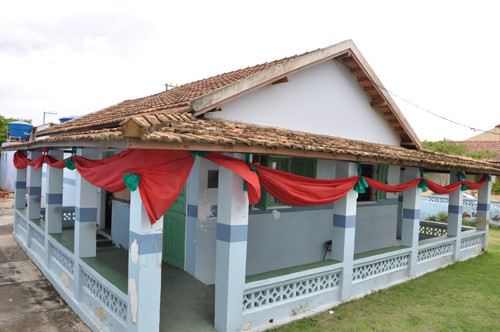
{"x":495,"y":188}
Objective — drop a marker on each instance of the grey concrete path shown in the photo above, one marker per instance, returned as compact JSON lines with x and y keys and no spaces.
{"x":28,"y":302}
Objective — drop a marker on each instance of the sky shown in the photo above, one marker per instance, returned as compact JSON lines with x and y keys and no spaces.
{"x":77,"y":57}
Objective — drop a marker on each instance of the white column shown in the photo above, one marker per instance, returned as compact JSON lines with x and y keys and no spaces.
{"x":411,"y":217}
{"x":400,"y":207}
{"x":144,"y":268}
{"x":231,"y":251}
{"x":85,"y":212}
{"x":483,"y":209}
{"x":344,"y":228}
{"x":20,"y":190}
{"x":54,"y":185}
{"x":34,"y":188}
{"x":455,"y":211}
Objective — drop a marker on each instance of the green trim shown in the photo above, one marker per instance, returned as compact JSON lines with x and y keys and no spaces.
{"x":382,"y":176}
{"x":289,"y":270}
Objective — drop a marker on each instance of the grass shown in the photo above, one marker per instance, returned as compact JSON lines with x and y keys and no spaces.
{"x":464,"y":296}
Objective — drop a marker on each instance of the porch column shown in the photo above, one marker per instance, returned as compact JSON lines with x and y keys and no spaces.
{"x":20,"y":190}
{"x":34,"y":188}
{"x":399,"y":217}
{"x":144,"y":268}
{"x":344,"y":228}
{"x":455,"y":211}
{"x":54,"y":185}
{"x":411,"y":217}
{"x":85,"y":212}
{"x":483,"y":209}
{"x":231,"y":251}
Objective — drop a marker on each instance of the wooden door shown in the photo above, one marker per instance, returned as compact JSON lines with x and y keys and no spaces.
{"x":174,"y":232}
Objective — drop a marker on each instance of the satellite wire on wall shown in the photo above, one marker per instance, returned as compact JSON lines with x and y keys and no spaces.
{"x":431,"y":112}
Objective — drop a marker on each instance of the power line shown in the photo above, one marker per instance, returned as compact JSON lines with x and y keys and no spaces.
{"x":433,"y":113}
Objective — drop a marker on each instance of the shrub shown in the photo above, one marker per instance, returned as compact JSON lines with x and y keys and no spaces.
{"x":495,"y":188}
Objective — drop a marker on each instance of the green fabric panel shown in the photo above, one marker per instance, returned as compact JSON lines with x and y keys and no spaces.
{"x":361,"y":185}
{"x":423,"y":185}
{"x":199,"y":153}
{"x":383,"y":176}
{"x":131,"y":181}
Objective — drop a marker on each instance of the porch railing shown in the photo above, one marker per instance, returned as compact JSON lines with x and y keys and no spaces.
{"x":68,"y":214}
{"x":85,"y":290}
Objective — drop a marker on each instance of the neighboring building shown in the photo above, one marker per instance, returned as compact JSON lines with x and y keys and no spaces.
{"x":315,"y":115}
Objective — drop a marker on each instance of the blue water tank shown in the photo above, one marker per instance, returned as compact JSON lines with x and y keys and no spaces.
{"x":19,"y":129}
{"x":67,"y":118}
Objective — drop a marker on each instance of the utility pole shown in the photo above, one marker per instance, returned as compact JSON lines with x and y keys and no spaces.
{"x":47,"y":112}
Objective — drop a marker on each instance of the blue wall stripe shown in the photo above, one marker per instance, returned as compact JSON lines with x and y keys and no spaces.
{"x":400,"y":198}
{"x":20,"y":184}
{"x":147,"y":243}
{"x":85,"y":214}
{"x":54,"y":198}
{"x":236,"y":233}
{"x":483,"y":207}
{"x":411,"y":214}
{"x":457,"y":209}
{"x":71,"y":182}
{"x":192,"y":211}
{"x":34,"y":191}
{"x":344,"y":221}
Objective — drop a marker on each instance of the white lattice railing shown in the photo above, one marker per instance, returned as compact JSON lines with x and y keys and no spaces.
{"x":471,"y":202}
{"x":290,"y":289}
{"x":68,"y":214}
{"x":107,"y":297}
{"x":378,"y":267}
{"x":472,"y":241}
{"x":22,"y":223}
{"x":62,"y":258}
{"x":437,"y":250}
{"x":431,"y":229}
{"x":37,"y":236}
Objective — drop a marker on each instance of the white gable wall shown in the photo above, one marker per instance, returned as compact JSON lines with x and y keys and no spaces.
{"x":324,"y":99}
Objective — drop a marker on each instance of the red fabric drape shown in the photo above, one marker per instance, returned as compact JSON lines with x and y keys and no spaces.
{"x":163,"y":175}
{"x":302,"y":191}
{"x":241,"y":168}
{"x":392,"y":189}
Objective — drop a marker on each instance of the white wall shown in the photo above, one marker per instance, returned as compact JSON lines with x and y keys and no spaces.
{"x":325,"y":99}
{"x":7,"y":171}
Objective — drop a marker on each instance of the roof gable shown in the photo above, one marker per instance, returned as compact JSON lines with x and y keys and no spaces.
{"x":208,"y":94}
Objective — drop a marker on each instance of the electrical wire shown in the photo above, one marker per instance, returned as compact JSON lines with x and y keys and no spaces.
{"x":433,"y":113}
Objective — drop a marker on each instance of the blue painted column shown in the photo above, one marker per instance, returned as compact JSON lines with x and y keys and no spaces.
{"x":85,"y":211}
{"x":144,"y":268}
{"x":231,"y":251}
{"x":34,"y":188}
{"x":483,"y":209}
{"x":344,"y":228}
{"x":411,"y":217}
{"x":20,"y":190}
{"x":54,"y":185}
{"x":455,"y":211}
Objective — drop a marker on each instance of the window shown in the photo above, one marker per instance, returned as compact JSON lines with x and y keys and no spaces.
{"x":380,"y":172}
{"x":298,"y":166}
{"x":213,"y":179}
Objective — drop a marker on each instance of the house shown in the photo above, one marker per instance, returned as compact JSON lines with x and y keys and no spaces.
{"x":489,"y":140}
{"x":240,"y":202}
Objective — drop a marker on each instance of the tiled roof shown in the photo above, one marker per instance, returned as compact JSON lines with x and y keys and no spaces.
{"x":192,"y":133}
{"x":185,"y":132}
{"x":175,"y":100}
{"x":473,"y":146}
{"x":211,"y":93}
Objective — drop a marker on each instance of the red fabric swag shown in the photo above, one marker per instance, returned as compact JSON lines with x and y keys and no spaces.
{"x":163,"y":175}
{"x":241,"y":168}
{"x":392,"y":189}
{"x":303,"y":191}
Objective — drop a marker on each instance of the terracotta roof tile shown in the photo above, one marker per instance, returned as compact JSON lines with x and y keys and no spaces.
{"x":473,"y":146}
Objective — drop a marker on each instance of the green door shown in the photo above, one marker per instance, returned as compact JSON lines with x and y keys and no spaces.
{"x":174,"y":231}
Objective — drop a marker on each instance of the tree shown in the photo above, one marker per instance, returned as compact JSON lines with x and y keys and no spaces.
{"x":450,"y":147}
{"x":4,"y":132}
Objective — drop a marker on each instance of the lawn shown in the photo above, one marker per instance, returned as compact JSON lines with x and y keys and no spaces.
{"x":461,"y":297}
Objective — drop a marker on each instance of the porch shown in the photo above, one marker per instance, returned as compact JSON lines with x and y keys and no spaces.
{"x":97,"y":286}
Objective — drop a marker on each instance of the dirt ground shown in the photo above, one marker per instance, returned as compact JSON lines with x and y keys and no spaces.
{"x":28,"y":302}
